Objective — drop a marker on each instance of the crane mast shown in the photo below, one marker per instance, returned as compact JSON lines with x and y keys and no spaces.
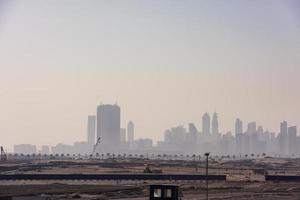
{"x":3,"y":156}
{"x":96,"y":145}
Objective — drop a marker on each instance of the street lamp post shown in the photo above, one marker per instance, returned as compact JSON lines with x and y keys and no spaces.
{"x":207,"y":155}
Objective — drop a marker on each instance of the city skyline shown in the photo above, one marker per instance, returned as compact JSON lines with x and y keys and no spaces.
{"x":164,"y":62}
{"x":105,"y":128}
{"x":111,"y":138}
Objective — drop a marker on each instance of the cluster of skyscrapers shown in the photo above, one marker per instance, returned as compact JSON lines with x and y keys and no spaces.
{"x":105,"y":129}
{"x":254,"y":140}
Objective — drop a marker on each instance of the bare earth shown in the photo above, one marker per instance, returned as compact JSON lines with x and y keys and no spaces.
{"x":244,"y":175}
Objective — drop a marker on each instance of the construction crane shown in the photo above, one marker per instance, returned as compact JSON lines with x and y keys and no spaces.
{"x":3,"y":156}
{"x":96,"y":145}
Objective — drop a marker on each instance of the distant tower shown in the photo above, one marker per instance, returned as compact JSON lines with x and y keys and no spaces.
{"x":251,"y":128}
{"x":284,"y":128}
{"x":123,"y":135}
{"x":238,"y":126}
{"x":215,"y":124}
{"x":130,"y":132}
{"x":91,"y":130}
{"x":292,"y":140}
{"x":283,"y":138}
{"x":108,"y":127}
{"x":192,"y":134}
{"x":206,"y":124}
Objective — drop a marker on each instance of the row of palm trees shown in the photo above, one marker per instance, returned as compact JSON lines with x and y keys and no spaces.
{"x":98,"y":156}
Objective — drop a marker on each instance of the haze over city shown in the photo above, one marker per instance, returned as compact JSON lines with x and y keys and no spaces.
{"x":59,"y":60}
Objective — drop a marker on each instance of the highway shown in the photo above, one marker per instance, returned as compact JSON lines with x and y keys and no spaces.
{"x":117,"y":177}
{"x":138,"y":177}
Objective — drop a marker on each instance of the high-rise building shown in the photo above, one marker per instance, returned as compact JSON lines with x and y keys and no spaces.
{"x":251,"y":128}
{"x":45,"y":150}
{"x":130,"y":132}
{"x":238,"y":126}
{"x":123,"y":135}
{"x":206,"y":124}
{"x":193,"y":132}
{"x":283,"y":138}
{"x":108,"y":127}
{"x":284,"y":128}
{"x":215,"y":124}
{"x":292,"y":140}
{"x":192,"y":136}
{"x":91,"y":130}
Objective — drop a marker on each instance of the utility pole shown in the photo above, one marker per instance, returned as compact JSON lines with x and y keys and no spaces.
{"x":207,"y":155}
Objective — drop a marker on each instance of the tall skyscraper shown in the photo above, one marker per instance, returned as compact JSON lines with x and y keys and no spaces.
{"x":130,"y":132}
{"x":292,"y":140}
{"x":238,"y":126}
{"x":284,"y":128}
{"x":206,"y":124}
{"x":251,"y":128}
{"x":108,"y":127}
{"x":215,"y":124}
{"x":91,"y":130}
{"x":123,"y":135}
{"x":192,"y":134}
{"x":283,"y":138}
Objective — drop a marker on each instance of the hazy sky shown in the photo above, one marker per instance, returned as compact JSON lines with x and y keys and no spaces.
{"x":167,"y":61}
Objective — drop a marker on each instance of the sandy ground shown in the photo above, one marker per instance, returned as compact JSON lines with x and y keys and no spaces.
{"x":238,"y":188}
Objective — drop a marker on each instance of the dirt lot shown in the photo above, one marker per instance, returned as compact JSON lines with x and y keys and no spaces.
{"x":237,"y":189}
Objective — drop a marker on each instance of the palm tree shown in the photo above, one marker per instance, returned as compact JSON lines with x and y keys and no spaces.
{"x":159,"y":156}
{"x":107,"y":155}
{"x":181,"y":156}
{"x":194,"y":157}
{"x":175,"y":156}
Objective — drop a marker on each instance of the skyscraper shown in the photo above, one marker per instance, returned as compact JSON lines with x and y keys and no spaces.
{"x":283,"y":138}
{"x":251,"y":128}
{"x":192,"y":134}
{"x":206,"y":124}
{"x":283,"y":128}
{"x":238,"y":126}
{"x":123,"y":135}
{"x":91,"y":130}
{"x":108,"y":127}
{"x":215,"y":124}
{"x":292,"y":140}
{"x":130,"y":132}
